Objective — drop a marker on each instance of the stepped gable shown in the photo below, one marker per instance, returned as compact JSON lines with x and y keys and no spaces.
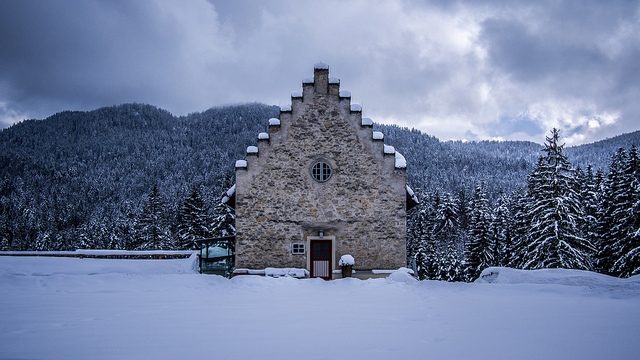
{"x":321,"y":184}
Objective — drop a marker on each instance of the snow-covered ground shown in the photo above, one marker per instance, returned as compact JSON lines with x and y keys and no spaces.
{"x":69,"y":308}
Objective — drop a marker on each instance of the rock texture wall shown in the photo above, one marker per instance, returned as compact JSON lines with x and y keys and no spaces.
{"x":279,"y":203}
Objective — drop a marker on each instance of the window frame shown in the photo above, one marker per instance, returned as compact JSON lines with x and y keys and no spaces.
{"x":298,"y":248}
{"x":321,"y":171}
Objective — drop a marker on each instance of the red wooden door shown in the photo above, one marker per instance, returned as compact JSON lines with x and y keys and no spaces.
{"x":321,"y":259}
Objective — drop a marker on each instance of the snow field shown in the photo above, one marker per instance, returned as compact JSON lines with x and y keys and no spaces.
{"x":62,"y":308}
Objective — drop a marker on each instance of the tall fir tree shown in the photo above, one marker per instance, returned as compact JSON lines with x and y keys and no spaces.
{"x":590,"y":192}
{"x":426,"y":252}
{"x":503,"y":231}
{"x":613,"y":203}
{"x":193,"y":221}
{"x":450,"y":239}
{"x":480,"y":247}
{"x":555,"y":212}
{"x":626,"y":229}
{"x":153,"y":232}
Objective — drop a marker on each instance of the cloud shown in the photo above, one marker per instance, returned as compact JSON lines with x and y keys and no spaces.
{"x":446,"y":68}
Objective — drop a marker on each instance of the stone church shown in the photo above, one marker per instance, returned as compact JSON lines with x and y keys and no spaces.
{"x":321,"y":184}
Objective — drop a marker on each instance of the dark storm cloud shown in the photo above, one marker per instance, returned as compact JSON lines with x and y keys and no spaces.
{"x":59,"y":55}
{"x":489,"y":69}
{"x":533,"y":57}
{"x":58,"y":50}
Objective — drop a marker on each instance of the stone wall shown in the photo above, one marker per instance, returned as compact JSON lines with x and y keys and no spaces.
{"x":279,"y":203}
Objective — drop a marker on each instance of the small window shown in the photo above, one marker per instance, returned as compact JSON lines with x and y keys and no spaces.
{"x":298,"y":248}
{"x":321,"y":171}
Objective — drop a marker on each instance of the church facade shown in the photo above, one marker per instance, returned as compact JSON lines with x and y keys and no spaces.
{"x":321,"y":184}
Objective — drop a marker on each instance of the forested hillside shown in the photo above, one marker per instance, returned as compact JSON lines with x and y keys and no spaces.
{"x":136,"y":177}
{"x":82,"y":179}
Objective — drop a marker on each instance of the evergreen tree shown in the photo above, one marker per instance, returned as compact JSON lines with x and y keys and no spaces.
{"x":555,"y":210}
{"x":626,"y":229}
{"x":503,"y":231}
{"x":224,"y":220}
{"x":480,"y":245}
{"x":590,"y":190}
{"x":449,"y":237}
{"x":193,"y":221}
{"x":613,"y":203}
{"x":426,"y":253}
{"x":521,"y":230}
{"x":153,"y":230}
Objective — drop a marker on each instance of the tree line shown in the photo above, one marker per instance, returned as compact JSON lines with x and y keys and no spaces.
{"x":564,"y":217}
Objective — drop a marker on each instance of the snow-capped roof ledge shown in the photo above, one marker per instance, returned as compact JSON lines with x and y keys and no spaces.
{"x":263,"y":136}
{"x":377,"y":135}
{"x":231,"y":191}
{"x":321,"y":66}
{"x":307,"y":81}
{"x":389,"y":150}
{"x":285,"y":108}
{"x":356,"y":107}
{"x":274,"y":122}
{"x":367,"y":122}
{"x":345,"y":94}
{"x":241,"y":164}
{"x":252,"y":150}
{"x":412,"y":194}
{"x":401,"y":162}
{"x":228,"y":194}
{"x":296,"y":94}
{"x":334,"y":80}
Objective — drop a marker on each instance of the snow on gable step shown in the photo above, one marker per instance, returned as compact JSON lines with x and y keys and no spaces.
{"x":401,"y":162}
{"x":241,"y":164}
{"x":389,"y":150}
{"x":367,"y":122}
{"x":252,"y":150}
{"x":274,"y":122}
{"x":377,"y":135}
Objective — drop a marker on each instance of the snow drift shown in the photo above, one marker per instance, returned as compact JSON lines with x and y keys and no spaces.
{"x":58,"y":308}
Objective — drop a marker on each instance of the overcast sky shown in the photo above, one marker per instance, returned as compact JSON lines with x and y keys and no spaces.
{"x":470,"y":70}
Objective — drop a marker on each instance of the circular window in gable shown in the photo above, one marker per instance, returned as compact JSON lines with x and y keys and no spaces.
{"x":321,"y":171}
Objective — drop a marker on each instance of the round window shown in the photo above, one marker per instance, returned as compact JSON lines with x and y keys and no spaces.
{"x":321,"y":171}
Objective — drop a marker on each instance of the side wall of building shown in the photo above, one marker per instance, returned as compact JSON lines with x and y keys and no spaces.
{"x":278,"y":203}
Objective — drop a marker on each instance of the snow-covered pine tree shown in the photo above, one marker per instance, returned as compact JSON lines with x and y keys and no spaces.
{"x":503,"y":231}
{"x":521,"y":229}
{"x":612,"y":201}
{"x":153,"y":232}
{"x":193,"y":221}
{"x":224,"y":220}
{"x":554,"y":211}
{"x":480,"y":246}
{"x":448,"y":235}
{"x":426,"y":252}
{"x":626,"y":229}
{"x":590,"y":190}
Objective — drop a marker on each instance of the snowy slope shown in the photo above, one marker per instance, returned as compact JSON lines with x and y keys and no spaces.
{"x":68,"y":308}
